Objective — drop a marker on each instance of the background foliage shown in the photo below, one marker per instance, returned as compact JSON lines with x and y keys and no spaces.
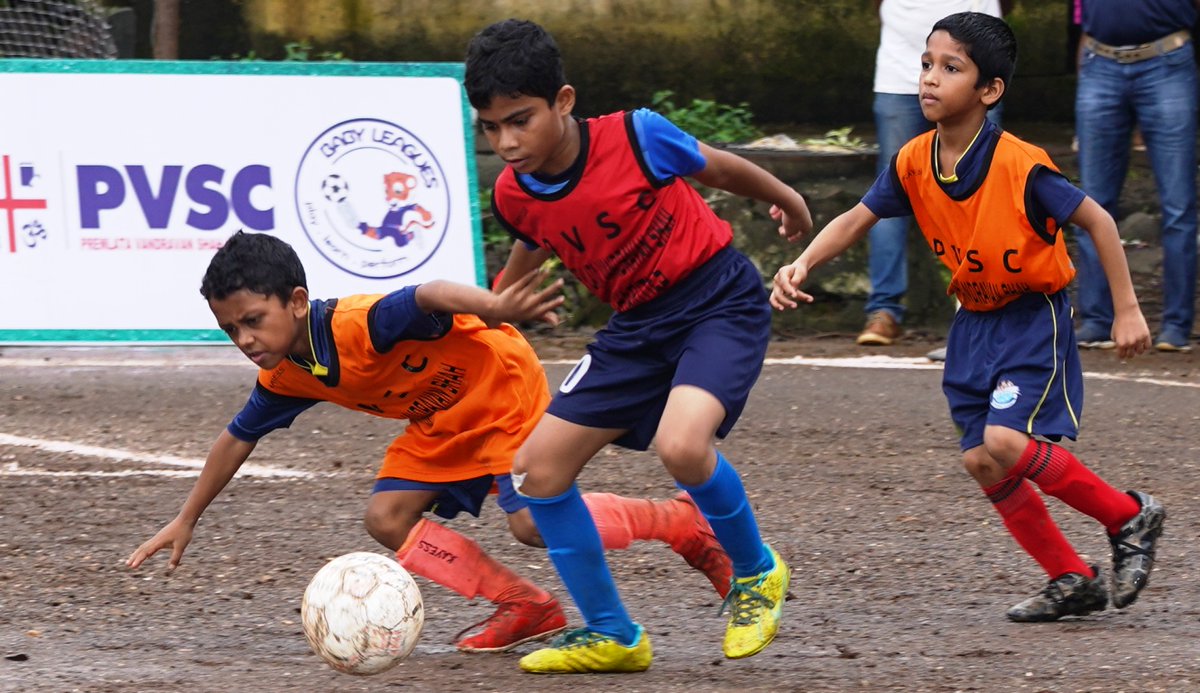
{"x":808,"y":61}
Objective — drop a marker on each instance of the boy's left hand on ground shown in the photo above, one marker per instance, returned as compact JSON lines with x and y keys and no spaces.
{"x":176,"y":535}
{"x":1131,"y":334}
{"x":524,"y":301}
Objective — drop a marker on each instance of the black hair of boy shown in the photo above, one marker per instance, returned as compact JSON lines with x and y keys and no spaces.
{"x":988,"y":41}
{"x":257,"y":262}
{"x":513,"y":58}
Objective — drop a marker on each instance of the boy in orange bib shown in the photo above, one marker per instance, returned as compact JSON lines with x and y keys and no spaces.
{"x":991,"y":207}
{"x":439,"y":356}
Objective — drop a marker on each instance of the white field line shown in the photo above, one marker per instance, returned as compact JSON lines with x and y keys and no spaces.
{"x":118,"y":455}
{"x":916,"y":363}
{"x":12,"y":469}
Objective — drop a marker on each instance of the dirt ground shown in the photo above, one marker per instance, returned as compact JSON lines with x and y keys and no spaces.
{"x":902,"y":571}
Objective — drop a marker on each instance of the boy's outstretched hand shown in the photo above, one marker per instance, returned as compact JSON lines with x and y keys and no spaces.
{"x":176,"y":534}
{"x":785,"y":290}
{"x":524,"y":300}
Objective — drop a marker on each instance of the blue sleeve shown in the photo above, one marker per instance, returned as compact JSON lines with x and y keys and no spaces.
{"x":886,"y":199}
{"x":264,"y":412}
{"x":397,"y":317}
{"x":667,"y":150}
{"x":1054,"y":196}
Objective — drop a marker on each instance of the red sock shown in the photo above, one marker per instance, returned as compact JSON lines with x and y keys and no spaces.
{"x":1029,"y":522}
{"x":622,"y":520}
{"x":456,"y":562}
{"x":1060,"y":474}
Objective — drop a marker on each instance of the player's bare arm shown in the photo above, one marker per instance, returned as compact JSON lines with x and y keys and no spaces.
{"x":733,"y":174}
{"x":521,"y":261}
{"x":1129,"y":330}
{"x":224,"y":459}
{"x":522,"y":300}
{"x":841,"y":233}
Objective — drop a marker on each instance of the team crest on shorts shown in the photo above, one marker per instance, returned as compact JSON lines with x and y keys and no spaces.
{"x":1005,"y":395}
{"x":372,"y":198}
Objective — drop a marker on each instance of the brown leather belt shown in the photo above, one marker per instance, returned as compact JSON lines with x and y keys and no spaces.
{"x":1136,"y":54}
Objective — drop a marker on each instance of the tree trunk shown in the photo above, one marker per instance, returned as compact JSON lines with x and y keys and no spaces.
{"x":166,"y":29}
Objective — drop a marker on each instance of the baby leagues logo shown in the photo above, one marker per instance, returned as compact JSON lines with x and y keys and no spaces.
{"x":372,"y":198}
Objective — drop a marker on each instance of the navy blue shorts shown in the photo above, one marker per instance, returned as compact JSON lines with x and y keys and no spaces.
{"x":460,"y":496}
{"x":710,"y":331}
{"x":1016,"y":367}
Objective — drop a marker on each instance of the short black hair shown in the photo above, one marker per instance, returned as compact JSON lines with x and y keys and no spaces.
{"x":511,"y":58}
{"x":989,"y":43}
{"x":257,"y":262}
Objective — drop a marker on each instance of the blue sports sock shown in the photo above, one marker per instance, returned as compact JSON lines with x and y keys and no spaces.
{"x":722,"y":500}
{"x":575,"y":549}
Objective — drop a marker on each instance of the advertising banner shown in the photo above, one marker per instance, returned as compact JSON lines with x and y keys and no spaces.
{"x":120,"y":179}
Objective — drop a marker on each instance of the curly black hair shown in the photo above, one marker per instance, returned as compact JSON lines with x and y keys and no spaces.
{"x":258,"y":262}
{"x":513,"y":58}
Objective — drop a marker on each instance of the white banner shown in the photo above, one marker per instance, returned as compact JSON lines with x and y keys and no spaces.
{"x":120,"y":179}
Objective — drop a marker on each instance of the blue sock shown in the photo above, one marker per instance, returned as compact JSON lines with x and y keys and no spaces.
{"x":575,"y":549}
{"x":722,"y":500}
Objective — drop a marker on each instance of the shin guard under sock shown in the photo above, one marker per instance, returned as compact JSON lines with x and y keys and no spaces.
{"x":1029,"y":522}
{"x":1060,"y":474}
{"x":722,"y":500}
{"x":621,"y":521}
{"x":440,"y":554}
{"x":577,"y":553}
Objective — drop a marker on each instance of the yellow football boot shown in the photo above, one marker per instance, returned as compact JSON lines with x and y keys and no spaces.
{"x":755,"y":605}
{"x":582,"y":651}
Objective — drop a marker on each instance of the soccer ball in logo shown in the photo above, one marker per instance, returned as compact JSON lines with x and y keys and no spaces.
{"x":335,"y":188}
{"x":362,"y":613}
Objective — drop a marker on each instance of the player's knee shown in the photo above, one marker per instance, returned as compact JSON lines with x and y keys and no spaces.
{"x":1004,"y":445}
{"x":681,"y":453}
{"x":387,"y":526}
{"x":978,"y":463}
{"x":532,"y":476}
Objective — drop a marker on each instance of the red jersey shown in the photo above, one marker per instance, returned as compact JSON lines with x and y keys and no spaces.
{"x":627,"y":236}
{"x":995,"y":250}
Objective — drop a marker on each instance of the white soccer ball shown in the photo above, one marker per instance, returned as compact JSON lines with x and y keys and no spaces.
{"x":335,"y":188}
{"x":362,"y":613}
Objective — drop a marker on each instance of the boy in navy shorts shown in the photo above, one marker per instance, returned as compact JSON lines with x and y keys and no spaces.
{"x":678,"y":358}
{"x":991,"y":207}
{"x":440,"y":357}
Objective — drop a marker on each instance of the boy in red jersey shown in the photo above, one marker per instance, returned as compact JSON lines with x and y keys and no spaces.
{"x":991,"y":207}
{"x":677,"y":360}
{"x":471,"y":388}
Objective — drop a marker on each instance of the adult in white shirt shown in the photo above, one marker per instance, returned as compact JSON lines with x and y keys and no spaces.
{"x":904,"y":26}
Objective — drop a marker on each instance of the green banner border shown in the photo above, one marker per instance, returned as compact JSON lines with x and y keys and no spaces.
{"x":454,"y":71}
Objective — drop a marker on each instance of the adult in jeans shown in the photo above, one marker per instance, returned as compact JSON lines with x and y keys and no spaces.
{"x":904,"y":26}
{"x":1137,"y":69}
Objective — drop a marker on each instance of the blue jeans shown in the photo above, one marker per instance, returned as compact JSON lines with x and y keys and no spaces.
{"x":1159,"y":96}
{"x":898,"y":119}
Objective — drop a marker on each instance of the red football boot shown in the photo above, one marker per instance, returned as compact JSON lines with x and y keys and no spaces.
{"x":512,"y":624}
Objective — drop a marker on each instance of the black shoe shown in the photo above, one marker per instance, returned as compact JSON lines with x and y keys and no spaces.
{"x":1067,"y":595}
{"x":1133,"y":550}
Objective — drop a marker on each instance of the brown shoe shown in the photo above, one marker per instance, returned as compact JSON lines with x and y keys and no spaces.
{"x":881,"y":330}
